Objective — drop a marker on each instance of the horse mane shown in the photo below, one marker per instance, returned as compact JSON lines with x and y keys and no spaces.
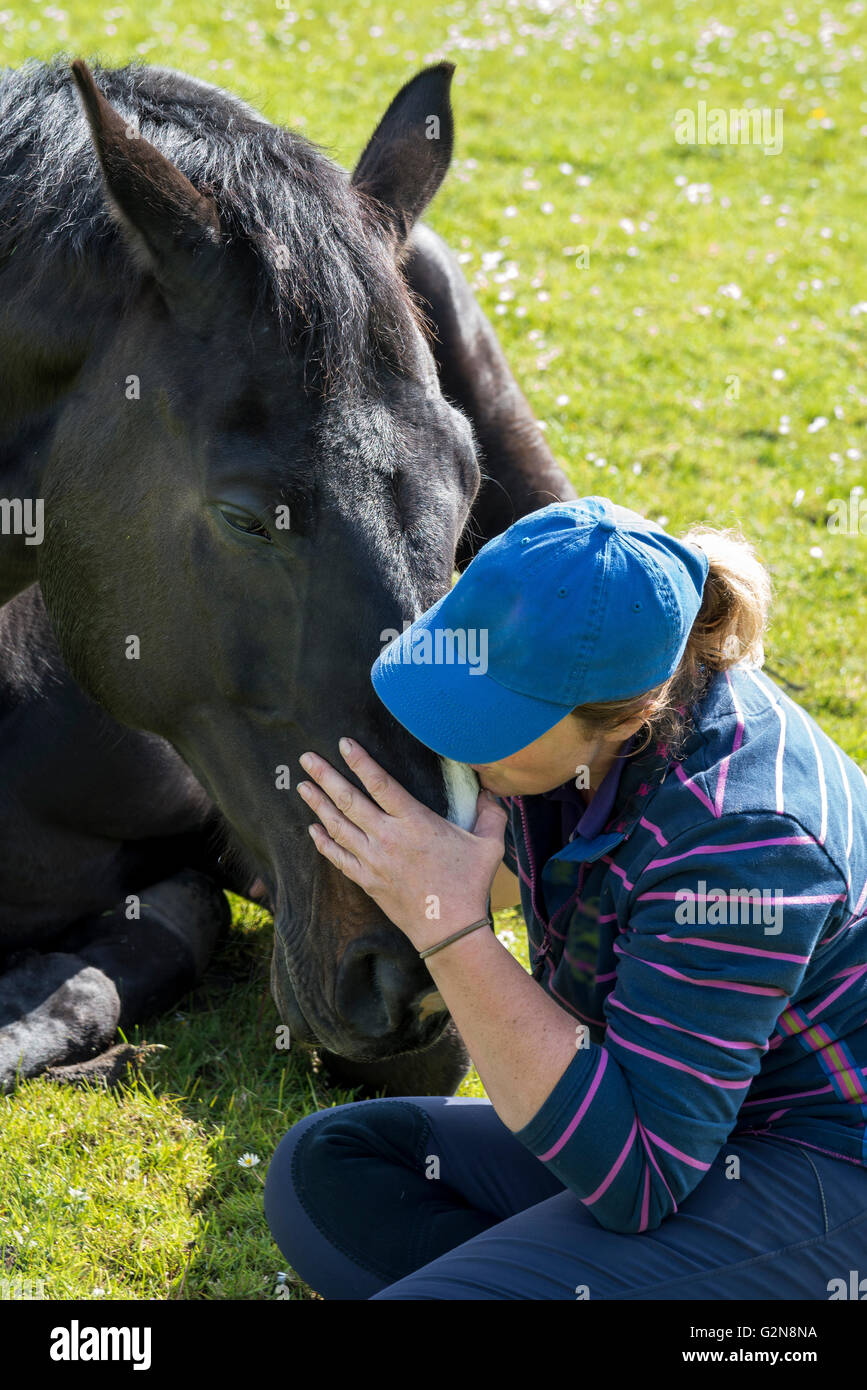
{"x":323,"y":262}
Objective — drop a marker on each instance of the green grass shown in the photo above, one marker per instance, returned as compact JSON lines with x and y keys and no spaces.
{"x":139,"y":1194}
{"x":681,"y":372}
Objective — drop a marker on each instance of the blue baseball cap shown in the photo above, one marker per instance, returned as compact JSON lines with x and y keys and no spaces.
{"x":578,"y":602}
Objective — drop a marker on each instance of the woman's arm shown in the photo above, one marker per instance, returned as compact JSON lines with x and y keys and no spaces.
{"x":695,"y":1008}
{"x":519,"y":1038}
{"x":631,"y":1126}
{"x":404,"y":855}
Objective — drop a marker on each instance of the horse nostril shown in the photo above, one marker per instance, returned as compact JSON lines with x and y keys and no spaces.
{"x":375,"y":989}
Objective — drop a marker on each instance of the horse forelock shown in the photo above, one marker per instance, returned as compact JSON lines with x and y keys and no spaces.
{"x":324,"y":263}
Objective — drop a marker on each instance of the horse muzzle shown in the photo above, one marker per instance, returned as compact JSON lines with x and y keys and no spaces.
{"x":384,"y":1001}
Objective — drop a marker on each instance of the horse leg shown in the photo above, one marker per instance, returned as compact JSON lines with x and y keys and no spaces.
{"x":54,"y":1008}
{"x":156,"y":945}
{"x":519,"y":473}
{"x":437,"y":1071}
{"x":60,"y":1010}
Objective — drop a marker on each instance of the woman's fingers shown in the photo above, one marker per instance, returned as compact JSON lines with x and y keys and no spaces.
{"x":339,"y":857}
{"x":350,"y":802}
{"x":394,"y":799}
{"x":341,"y":830}
{"x":388,"y":795}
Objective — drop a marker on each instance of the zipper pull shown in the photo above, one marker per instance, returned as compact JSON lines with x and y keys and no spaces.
{"x":541,"y":953}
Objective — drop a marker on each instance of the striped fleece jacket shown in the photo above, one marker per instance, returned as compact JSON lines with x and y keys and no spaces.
{"x":706,"y":919}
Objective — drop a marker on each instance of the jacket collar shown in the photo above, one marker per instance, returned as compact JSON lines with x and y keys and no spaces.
{"x":640,"y":776}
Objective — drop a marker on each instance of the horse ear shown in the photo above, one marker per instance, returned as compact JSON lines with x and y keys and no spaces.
{"x":162,"y":213}
{"x":407,"y":157}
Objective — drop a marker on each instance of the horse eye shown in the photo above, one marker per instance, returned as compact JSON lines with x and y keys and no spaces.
{"x":247,"y":523}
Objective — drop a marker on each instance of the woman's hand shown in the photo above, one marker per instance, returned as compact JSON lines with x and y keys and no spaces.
{"x":429,"y":876}
{"x":411,"y":861}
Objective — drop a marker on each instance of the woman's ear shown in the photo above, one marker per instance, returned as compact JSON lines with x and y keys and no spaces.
{"x":630,"y":726}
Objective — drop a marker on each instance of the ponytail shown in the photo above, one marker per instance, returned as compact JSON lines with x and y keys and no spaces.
{"x":728,"y":631}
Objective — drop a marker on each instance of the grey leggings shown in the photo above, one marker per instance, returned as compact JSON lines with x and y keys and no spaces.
{"x":432,"y":1197}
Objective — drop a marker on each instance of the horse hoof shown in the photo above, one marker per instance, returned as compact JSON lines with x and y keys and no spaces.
{"x":54,"y":1008}
{"x":106,"y":1070}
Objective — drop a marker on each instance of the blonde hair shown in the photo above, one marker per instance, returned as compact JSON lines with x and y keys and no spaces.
{"x":728,"y":630}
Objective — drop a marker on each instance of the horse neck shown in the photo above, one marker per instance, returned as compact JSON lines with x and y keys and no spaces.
{"x":47,"y":326}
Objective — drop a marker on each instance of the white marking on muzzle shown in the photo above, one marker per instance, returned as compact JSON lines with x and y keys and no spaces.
{"x":462,"y":790}
{"x":462,"y":784}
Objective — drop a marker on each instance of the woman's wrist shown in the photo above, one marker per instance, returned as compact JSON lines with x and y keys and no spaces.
{"x":434,"y":932}
{"x":464,"y":957}
{"x":456,"y":936}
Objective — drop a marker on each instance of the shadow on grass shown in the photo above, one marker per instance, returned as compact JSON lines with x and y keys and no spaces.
{"x":225,"y":1069}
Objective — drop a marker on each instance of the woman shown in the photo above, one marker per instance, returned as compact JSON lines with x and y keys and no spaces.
{"x":677,"y":1095}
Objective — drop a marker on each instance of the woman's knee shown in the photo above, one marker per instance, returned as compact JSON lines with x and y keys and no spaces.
{"x":330,"y":1237}
{"x":310,"y":1167}
{"x":280,"y":1167}
{"x":279,"y":1182}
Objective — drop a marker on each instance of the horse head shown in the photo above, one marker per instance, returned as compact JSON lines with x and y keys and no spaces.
{"x":255,"y":480}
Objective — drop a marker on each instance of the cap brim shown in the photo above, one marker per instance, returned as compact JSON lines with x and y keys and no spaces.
{"x":454,"y":707}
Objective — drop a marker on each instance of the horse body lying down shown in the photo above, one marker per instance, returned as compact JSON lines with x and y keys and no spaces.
{"x":206,"y":333}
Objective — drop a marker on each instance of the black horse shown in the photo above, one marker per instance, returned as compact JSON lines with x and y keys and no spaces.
{"x":243,"y":402}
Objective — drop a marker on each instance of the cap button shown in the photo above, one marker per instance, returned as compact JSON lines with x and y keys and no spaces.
{"x":606,"y":523}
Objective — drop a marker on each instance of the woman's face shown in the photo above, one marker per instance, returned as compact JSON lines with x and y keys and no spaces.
{"x":557,"y":757}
